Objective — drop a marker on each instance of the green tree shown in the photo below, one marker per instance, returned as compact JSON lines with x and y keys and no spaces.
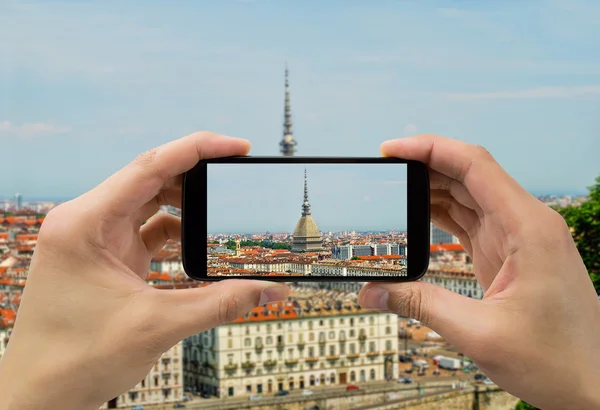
{"x":354,"y":258}
{"x":521,"y":405}
{"x":584,"y":221}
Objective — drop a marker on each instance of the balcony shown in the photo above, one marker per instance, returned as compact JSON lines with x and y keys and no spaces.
{"x":322,"y":341}
{"x":352,"y":356}
{"x":208,"y":365}
{"x":389,"y":352}
{"x":372,"y":354}
{"x":311,"y":359}
{"x":248,"y":365}
{"x":259,"y":346}
{"x":280,"y":345}
{"x":230,"y":367}
{"x":342,"y":338}
{"x":333,"y":357}
{"x":362,"y":336}
{"x":291,"y":362}
{"x":270,"y":363}
{"x":301,"y":344}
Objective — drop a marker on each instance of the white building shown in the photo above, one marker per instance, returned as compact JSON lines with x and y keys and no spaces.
{"x":346,"y":252}
{"x":164,"y":383}
{"x":343,"y":268}
{"x":170,"y":264}
{"x":458,"y":278}
{"x":437,"y":236}
{"x":264,"y":265}
{"x":312,"y":340}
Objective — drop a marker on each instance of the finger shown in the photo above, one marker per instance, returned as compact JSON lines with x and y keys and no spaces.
{"x":471,"y":165}
{"x":466,"y":218}
{"x":445,"y":312}
{"x":193,"y":311}
{"x":135,"y":185}
{"x":159,"y":229}
{"x":441,"y":218}
{"x":456,"y":189}
{"x":168,"y":196}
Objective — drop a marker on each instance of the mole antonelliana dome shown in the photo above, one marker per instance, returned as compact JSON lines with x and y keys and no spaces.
{"x":307,"y":237}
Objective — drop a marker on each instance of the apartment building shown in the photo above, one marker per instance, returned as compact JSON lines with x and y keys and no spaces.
{"x":316,"y":338}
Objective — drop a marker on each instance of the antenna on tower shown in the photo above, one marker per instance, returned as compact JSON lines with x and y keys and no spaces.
{"x":288,"y":143}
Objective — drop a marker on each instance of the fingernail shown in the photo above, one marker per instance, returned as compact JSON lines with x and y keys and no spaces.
{"x":273,"y":294}
{"x":376,"y":299}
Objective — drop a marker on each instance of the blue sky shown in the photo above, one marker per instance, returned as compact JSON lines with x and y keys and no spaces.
{"x":250,"y":198}
{"x":86,"y":86}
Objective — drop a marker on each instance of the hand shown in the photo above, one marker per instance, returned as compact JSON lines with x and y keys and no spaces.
{"x":535,"y":333}
{"x":89,"y":327}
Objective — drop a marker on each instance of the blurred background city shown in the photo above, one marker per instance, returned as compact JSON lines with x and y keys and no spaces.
{"x":86,"y":86}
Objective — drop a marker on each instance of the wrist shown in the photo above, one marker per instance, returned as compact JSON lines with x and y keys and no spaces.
{"x":24,"y":390}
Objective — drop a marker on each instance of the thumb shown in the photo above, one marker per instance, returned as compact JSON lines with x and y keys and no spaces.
{"x":447,"y":313}
{"x":196,"y":310}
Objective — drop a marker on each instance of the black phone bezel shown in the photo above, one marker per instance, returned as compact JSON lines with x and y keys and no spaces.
{"x":194,"y":222}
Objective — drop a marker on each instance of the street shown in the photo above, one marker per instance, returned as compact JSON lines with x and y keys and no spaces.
{"x":320,"y":393}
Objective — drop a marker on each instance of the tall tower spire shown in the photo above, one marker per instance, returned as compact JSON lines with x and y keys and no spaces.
{"x":287,"y":143}
{"x":305,"y":204}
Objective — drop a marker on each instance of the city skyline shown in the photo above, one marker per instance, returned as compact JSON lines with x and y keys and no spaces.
{"x":257,"y":195}
{"x":521,"y":79}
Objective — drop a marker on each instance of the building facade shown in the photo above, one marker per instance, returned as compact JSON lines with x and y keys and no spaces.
{"x":291,"y":346}
{"x":437,"y":236}
{"x":457,"y":278}
{"x":345,"y":252}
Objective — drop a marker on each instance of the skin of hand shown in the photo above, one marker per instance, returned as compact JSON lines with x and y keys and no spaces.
{"x":89,"y":327}
{"x":535,"y":333}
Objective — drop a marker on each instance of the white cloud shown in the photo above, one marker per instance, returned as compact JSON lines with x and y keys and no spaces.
{"x":531,"y":93}
{"x":31,"y":129}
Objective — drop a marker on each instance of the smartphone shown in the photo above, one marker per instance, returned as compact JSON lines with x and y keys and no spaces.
{"x":306,"y":219}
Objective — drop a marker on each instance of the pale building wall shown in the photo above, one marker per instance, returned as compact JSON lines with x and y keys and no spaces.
{"x":290,"y":346}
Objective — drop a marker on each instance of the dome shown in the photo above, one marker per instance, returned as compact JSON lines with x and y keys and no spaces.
{"x":307,"y":228}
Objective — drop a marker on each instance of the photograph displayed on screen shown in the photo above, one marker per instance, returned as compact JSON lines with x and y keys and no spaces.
{"x":306,"y":219}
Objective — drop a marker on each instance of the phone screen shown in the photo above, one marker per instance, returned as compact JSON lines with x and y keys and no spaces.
{"x":306,"y":219}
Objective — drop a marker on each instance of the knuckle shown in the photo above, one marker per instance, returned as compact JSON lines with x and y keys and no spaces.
{"x":56,"y":224}
{"x":482,"y":152}
{"x":556,"y":229}
{"x":407,"y":301}
{"x":148,"y":162}
{"x":146,"y":158}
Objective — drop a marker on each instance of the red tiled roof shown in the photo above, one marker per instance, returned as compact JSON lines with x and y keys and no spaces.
{"x":446,"y":247}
